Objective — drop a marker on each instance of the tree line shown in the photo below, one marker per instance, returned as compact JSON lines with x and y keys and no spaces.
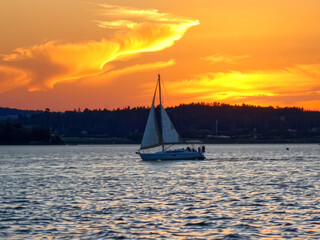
{"x":196,"y":120}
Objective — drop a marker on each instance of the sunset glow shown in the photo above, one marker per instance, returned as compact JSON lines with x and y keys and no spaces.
{"x":102,"y":54}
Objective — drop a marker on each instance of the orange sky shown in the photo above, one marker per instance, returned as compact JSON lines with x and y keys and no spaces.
{"x":107,"y":54}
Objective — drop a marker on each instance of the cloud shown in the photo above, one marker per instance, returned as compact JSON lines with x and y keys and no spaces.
{"x":225,"y":58}
{"x":41,"y":66}
{"x":134,"y":17}
{"x":140,"y":67}
{"x":116,"y":73}
{"x":287,"y":86}
{"x":11,"y":77}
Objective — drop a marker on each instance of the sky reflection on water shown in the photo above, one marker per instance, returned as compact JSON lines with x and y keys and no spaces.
{"x":96,"y":192}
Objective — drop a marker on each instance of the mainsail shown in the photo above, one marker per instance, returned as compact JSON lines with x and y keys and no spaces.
{"x":151,"y":137}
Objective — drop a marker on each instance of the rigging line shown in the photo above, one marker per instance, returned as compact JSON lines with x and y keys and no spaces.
{"x":155,"y":93}
{"x":161,"y":123}
{"x":168,"y":146}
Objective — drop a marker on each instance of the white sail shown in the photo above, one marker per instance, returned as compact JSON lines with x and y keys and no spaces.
{"x":169,"y":133}
{"x":151,"y":137}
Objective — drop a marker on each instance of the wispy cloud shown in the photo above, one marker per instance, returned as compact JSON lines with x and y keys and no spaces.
{"x":41,"y":66}
{"x":124,"y":17}
{"x":225,"y":58}
{"x":11,"y":77}
{"x":115,"y":73}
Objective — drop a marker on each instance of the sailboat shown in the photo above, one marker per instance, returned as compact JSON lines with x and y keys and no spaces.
{"x":164,"y":135}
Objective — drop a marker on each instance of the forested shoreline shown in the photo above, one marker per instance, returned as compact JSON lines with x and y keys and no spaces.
{"x":216,"y":123}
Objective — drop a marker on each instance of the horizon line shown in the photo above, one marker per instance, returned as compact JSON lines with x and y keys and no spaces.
{"x":213,"y":104}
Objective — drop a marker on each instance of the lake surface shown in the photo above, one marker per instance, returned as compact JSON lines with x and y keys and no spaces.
{"x":107,"y":192}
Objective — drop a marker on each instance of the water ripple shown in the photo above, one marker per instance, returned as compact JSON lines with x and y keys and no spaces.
{"x":107,"y":192}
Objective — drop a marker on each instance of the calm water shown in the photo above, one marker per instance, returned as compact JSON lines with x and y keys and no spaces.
{"x":99,"y":192}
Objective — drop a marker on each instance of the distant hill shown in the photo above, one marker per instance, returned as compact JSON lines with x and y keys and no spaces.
{"x":13,"y":111}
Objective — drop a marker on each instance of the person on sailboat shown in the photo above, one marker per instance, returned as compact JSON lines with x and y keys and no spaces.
{"x":203,"y":149}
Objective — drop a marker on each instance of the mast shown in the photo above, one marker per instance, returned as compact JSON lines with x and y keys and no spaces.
{"x":160,"y":110}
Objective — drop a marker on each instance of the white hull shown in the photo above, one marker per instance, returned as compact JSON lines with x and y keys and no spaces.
{"x":179,"y":154}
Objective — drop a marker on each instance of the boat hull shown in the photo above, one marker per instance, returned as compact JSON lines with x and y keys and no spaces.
{"x":172,"y":155}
